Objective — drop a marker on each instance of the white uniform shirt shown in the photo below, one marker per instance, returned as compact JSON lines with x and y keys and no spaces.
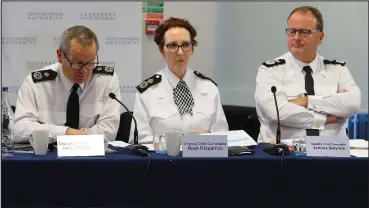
{"x":289,"y":79}
{"x":43,"y":104}
{"x":156,"y":112}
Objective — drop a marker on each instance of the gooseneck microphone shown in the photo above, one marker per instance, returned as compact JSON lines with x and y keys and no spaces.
{"x":277,"y":149}
{"x":135,"y":134}
{"x":136,"y":148}
{"x":274,"y":90}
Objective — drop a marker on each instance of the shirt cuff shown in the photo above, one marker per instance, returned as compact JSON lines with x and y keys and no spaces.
{"x":319,"y":121}
{"x":57,"y":131}
{"x":314,"y":103}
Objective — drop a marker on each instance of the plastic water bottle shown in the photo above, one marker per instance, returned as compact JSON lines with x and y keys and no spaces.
{"x":7,"y":125}
{"x":299,"y":146}
{"x":159,"y":144}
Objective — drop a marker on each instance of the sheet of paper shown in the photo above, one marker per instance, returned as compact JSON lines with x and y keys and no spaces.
{"x":359,"y":153}
{"x":115,"y":144}
{"x":118,"y":144}
{"x":287,"y":142}
{"x":358,"y":143}
{"x":236,"y":138}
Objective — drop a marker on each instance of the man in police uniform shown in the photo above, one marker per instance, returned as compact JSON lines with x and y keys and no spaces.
{"x":315,"y":95}
{"x":70,"y":97}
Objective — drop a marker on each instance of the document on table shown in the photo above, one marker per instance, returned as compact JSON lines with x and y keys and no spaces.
{"x":236,"y":138}
{"x":359,"y":153}
{"x":359,"y":147}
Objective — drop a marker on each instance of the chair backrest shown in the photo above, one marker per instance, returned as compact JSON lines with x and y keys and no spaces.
{"x":243,"y":117}
{"x":13,"y":108}
{"x":124,"y":127}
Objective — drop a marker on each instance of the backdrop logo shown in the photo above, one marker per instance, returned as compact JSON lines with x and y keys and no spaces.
{"x":45,"y":15}
{"x":37,"y":65}
{"x":127,"y":89}
{"x":97,"y":16}
{"x":56,"y":40}
{"x":107,"y":63}
{"x":19,"y":40}
{"x":122,"y":40}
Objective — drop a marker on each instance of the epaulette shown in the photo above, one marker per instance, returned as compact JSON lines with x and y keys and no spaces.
{"x":103,"y":70}
{"x":155,"y":79}
{"x":44,"y":75}
{"x":335,"y":62}
{"x":204,"y":77}
{"x":272,"y":63}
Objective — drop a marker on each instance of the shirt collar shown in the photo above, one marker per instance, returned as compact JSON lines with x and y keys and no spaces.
{"x":66,"y":82}
{"x":173,"y":79}
{"x":299,"y":64}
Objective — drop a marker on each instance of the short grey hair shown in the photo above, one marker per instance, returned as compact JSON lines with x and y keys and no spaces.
{"x":84,"y":35}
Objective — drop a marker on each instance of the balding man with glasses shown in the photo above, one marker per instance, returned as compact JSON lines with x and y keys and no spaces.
{"x":315,"y":95}
{"x":70,"y":97}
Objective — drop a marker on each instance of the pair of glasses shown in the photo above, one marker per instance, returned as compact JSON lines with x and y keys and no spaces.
{"x":173,"y":47}
{"x":79,"y":66}
{"x":302,"y":32}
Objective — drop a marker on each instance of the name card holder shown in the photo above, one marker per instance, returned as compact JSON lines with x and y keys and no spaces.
{"x":204,"y":146}
{"x":327,"y":146}
{"x":80,"y":145}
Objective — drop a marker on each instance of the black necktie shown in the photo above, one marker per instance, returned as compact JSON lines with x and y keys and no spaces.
{"x":73,"y":108}
{"x":309,"y":87}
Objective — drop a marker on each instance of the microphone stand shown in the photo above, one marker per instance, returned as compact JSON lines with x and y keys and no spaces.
{"x":278,"y":148}
{"x":136,"y":148}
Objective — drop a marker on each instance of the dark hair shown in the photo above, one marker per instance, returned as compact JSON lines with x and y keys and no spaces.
{"x":171,"y":23}
{"x":316,"y":13}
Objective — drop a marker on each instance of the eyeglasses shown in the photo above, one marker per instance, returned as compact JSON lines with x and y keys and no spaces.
{"x":302,"y":32}
{"x":79,"y":66}
{"x":173,"y":47}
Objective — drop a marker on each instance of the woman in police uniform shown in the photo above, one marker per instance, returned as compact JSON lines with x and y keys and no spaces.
{"x":176,"y":97}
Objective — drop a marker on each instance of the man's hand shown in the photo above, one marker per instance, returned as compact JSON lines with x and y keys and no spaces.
{"x":331,"y":119}
{"x":301,"y":101}
{"x":71,"y":131}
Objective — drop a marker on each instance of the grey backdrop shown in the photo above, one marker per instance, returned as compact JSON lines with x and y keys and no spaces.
{"x":250,"y":33}
{"x":235,"y":38}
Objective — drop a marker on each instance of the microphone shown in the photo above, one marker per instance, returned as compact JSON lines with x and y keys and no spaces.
{"x":276,"y":149}
{"x":136,"y":148}
{"x":274,"y":90}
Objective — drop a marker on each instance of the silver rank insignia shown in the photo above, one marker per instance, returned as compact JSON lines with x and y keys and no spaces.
{"x":147,"y":83}
{"x":44,"y":75}
{"x":272,"y":63}
{"x":340,"y":62}
{"x":37,"y":75}
{"x":103,"y":70}
{"x":144,"y":84}
{"x":109,"y":69}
